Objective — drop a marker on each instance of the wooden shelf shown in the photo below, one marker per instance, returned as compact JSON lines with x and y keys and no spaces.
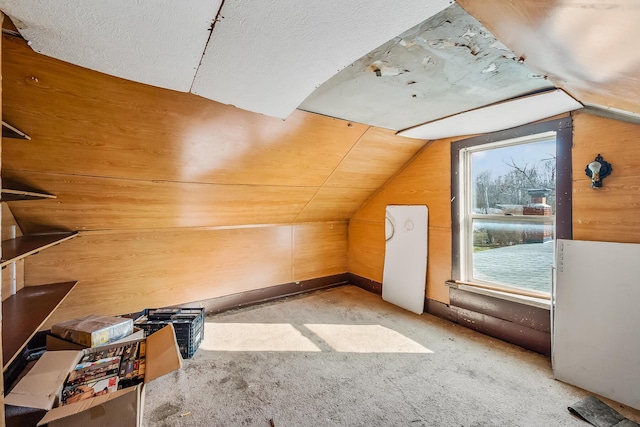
{"x":14,"y":191}
{"x":9,"y":131}
{"x":24,"y":313}
{"x":23,"y":246}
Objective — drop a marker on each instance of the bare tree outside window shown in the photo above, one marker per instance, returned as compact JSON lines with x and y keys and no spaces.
{"x":512,"y":206}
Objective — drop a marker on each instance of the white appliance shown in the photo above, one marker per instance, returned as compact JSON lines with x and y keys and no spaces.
{"x":405,"y":258}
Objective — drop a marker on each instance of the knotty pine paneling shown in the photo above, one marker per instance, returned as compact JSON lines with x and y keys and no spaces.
{"x":319,"y":250}
{"x":424,"y":181}
{"x":609,"y":213}
{"x":95,"y":203}
{"x":86,"y":123}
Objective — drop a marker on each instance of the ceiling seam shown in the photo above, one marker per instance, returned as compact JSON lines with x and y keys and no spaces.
{"x":332,"y":172}
{"x":213,"y":25}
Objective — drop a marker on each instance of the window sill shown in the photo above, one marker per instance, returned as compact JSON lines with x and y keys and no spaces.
{"x":526,"y":300}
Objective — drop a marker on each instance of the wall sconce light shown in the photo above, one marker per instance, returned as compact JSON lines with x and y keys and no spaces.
{"x":597,"y":170}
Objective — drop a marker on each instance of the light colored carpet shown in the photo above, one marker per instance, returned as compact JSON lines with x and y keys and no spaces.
{"x":344,"y":357}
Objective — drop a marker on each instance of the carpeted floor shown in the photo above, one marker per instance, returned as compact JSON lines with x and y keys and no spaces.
{"x":344,"y":357}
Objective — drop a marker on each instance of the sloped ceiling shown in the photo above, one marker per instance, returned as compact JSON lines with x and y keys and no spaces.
{"x":265,"y":57}
{"x":393,"y":66}
{"x":446,"y":64}
{"x":586,"y":47}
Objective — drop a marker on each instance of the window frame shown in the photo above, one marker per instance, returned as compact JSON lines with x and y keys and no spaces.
{"x":460,"y":192}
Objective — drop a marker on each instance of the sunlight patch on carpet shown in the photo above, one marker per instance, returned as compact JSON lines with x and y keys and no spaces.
{"x":255,"y":337}
{"x":365,"y":339}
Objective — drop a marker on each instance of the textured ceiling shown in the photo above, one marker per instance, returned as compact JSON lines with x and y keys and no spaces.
{"x":393,"y":67}
{"x":264,"y":57}
{"x":268,"y":57}
{"x":157,"y":43}
{"x":447,"y":64}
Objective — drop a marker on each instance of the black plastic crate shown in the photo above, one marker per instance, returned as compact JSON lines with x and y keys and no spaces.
{"x":187,"y":322}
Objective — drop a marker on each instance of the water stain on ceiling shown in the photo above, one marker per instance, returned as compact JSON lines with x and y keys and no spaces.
{"x":447,"y":64}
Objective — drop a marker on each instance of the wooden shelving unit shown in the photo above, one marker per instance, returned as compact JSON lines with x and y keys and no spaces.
{"x":13,"y":191}
{"x":24,"y":313}
{"x":9,"y":131}
{"x":23,"y":246}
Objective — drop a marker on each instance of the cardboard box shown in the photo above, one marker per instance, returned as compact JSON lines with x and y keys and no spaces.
{"x":93,"y":330}
{"x":55,"y":343}
{"x":42,"y":387}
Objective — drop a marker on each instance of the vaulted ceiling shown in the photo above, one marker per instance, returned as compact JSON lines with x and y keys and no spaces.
{"x":372,"y":62}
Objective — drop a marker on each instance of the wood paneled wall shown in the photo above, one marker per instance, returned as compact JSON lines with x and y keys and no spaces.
{"x":121,"y":155}
{"x":610,"y":213}
{"x":120,"y":272}
{"x":178,"y":198}
{"x":607,"y":214}
{"x":425,"y":181}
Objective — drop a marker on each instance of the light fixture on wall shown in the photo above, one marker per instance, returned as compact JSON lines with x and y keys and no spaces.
{"x":597,"y":170}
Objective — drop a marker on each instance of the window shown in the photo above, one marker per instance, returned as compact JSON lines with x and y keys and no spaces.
{"x":510,"y":202}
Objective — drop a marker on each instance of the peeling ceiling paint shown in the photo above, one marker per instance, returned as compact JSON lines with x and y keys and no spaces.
{"x":268,"y":57}
{"x":272,"y":57}
{"x":264,"y":57}
{"x":587,"y":47}
{"x":447,"y":64}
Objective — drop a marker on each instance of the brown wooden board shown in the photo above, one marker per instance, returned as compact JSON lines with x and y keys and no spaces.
{"x":14,"y":191}
{"x":20,"y":247}
{"x":25,"y":312}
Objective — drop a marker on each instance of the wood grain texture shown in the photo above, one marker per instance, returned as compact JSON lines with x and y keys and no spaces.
{"x":6,"y":279}
{"x":21,"y":247}
{"x":333,"y":204}
{"x":602,"y":69}
{"x":9,"y":221}
{"x":377,"y":155}
{"x":617,"y":141}
{"x":439,"y":263}
{"x":121,"y":272}
{"x":126,"y":272}
{"x":366,"y":249}
{"x":87,"y":123}
{"x":179,"y":198}
{"x":319,"y":250}
{"x":24,"y":314}
{"x":609,"y":213}
{"x":94,"y":203}
{"x":425,"y":181}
